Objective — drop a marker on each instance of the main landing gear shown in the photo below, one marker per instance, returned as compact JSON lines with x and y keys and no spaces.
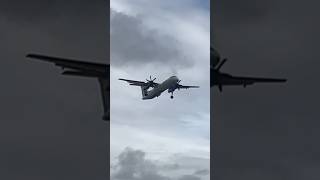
{"x":171,"y":95}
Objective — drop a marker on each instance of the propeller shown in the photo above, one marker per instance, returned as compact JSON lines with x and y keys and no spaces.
{"x":178,"y":84}
{"x":151,"y":80}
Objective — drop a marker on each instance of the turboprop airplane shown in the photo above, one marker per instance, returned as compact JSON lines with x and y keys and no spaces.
{"x":223,"y":79}
{"x":171,"y":84}
{"x":84,"y":69}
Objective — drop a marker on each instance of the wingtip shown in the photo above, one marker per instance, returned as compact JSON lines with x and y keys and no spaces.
{"x":283,"y":80}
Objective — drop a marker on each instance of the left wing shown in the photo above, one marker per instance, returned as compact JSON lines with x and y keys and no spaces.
{"x":138,"y":83}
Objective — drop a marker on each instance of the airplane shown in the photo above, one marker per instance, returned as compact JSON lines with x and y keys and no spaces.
{"x":221,"y":79}
{"x":83,"y":69}
{"x":171,"y":84}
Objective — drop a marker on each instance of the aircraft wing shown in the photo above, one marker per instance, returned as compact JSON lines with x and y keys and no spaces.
{"x":137,"y":83}
{"x":80,"y":66}
{"x":234,"y":80}
{"x":186,"y":87}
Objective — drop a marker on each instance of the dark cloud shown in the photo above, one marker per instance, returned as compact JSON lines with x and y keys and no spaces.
{"x":133,"y":43}
{"x":267,"y":131}
{"x":51,"y":125}
{"x":189,"y":177}
{"x":133,"y":165}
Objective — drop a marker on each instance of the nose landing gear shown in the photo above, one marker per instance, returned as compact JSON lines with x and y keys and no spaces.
{"x":171,"y":95}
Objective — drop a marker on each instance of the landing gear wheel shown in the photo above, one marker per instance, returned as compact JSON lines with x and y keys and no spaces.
{"x":171,"y":97}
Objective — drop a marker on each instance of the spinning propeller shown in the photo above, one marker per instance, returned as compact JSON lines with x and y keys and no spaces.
{"x":178,"y":84}
{"x":151,"y":82}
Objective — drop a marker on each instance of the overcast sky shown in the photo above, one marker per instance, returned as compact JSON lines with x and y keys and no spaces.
{"x":160,"y":38}
{"x":267,"y":131}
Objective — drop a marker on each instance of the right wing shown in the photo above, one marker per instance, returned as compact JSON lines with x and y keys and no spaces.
{"x":186,"y":87}
{"x":234,"y":80}
{"x":137,"y":83}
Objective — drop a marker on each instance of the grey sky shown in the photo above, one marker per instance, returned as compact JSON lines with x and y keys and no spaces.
{"x":267,"y":131}
{"x":160,"y":40}
{"x":51,"y":125}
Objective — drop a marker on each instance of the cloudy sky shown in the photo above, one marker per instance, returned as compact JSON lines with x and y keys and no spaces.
{"x":160,"y":138}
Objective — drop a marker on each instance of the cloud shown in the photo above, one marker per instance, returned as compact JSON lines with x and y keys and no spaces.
{"x":202,"y":172}
{"x":162,"y":39}
{"x":133,"y":165}
{"x":189,"y":177}
{"x":134,"y":43}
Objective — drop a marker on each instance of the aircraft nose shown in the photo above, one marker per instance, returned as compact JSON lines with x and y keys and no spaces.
{"x":174,"y":78}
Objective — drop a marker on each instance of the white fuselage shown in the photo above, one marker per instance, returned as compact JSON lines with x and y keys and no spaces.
{"x":170,"y":83}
